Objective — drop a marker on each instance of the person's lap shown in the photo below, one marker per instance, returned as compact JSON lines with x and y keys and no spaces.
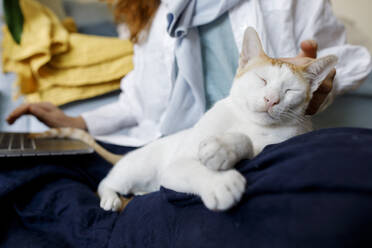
{"x":311,"y":191}
{"x":51,"y":201}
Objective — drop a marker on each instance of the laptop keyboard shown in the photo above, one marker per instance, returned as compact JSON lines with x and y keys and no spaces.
{"x":18,"y":144}
{"x":16,"y":141}
{"x":4,"y":141}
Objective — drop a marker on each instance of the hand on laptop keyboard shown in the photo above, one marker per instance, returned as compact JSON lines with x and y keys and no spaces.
{"x":47,"y":113}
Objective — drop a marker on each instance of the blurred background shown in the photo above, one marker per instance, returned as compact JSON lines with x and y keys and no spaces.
{"x":356,"y":15}
{"x":94,"y":17}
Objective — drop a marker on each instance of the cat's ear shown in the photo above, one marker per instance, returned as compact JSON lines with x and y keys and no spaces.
{"x":251,"y":48}
{"x":319,"y":69}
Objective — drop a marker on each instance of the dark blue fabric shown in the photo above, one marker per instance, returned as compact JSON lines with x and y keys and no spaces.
{"x":314,"y":190}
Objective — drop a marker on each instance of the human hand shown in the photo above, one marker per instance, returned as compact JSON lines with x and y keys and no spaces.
{"x":308,"y":53}
{"x":47,"y":113}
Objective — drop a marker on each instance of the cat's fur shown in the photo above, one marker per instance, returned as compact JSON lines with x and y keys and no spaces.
{"x":266,"y":105}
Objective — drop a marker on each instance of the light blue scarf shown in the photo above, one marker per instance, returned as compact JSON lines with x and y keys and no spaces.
{"x":187,"y":102}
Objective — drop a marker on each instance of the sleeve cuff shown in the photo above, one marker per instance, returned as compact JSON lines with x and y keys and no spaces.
{"x":108,"y":119}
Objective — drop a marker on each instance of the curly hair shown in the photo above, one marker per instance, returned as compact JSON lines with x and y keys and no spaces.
{"x":136,"y":14}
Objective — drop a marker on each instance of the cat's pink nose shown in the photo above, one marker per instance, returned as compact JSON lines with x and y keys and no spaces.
{"x":272,"y":100}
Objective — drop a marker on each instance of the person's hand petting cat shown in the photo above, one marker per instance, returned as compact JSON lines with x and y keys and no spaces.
{"x":308,"y":53}
{"x":48,"y":114}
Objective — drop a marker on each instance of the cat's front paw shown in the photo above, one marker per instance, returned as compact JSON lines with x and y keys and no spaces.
{"x":110,"y":201}
{"x":216,"y":155}
{"x":224,"y":190}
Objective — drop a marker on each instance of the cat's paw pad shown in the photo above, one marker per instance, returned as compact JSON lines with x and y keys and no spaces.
{"x":216,"y":155}
{"x":224,"y":190}
{"x":110,"y":202}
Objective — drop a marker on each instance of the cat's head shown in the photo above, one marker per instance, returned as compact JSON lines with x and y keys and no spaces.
{"x":271,"y":91}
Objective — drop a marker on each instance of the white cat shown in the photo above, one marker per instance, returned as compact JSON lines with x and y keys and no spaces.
{"x":266,"y":105}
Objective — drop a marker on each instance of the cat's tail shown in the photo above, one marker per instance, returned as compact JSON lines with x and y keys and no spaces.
{"x":78,"y":134}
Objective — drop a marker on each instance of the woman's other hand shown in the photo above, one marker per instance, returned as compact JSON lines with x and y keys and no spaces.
{"x":48,"y":114}
{"x":308,"y":53}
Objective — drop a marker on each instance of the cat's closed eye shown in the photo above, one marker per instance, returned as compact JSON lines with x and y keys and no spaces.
{"x":262,"y":79}
{"x":291,"y":91}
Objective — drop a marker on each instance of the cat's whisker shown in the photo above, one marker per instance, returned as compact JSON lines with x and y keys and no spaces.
{"x":297,"y":115}
{"x":292,"y":115}
{"x":292,"y":112}
{"x":305,"y":120}
{"x":299,"y":120}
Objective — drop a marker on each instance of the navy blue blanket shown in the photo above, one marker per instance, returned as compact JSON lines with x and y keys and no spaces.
{"x":314,"y":190}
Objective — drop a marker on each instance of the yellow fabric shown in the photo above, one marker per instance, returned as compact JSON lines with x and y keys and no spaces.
{"x":57,"y":66}
{"x":69,"y":24}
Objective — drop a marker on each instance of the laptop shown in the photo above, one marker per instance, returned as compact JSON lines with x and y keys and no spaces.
{"x":20,"y":145}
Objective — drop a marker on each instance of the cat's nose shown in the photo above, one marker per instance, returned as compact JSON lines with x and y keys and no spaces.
{"x":272,"y":100}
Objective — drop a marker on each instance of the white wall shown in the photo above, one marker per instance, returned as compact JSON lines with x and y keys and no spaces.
{"x":357,"y":16}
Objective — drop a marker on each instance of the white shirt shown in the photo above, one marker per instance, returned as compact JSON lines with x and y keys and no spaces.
{"x":281,"y":24}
